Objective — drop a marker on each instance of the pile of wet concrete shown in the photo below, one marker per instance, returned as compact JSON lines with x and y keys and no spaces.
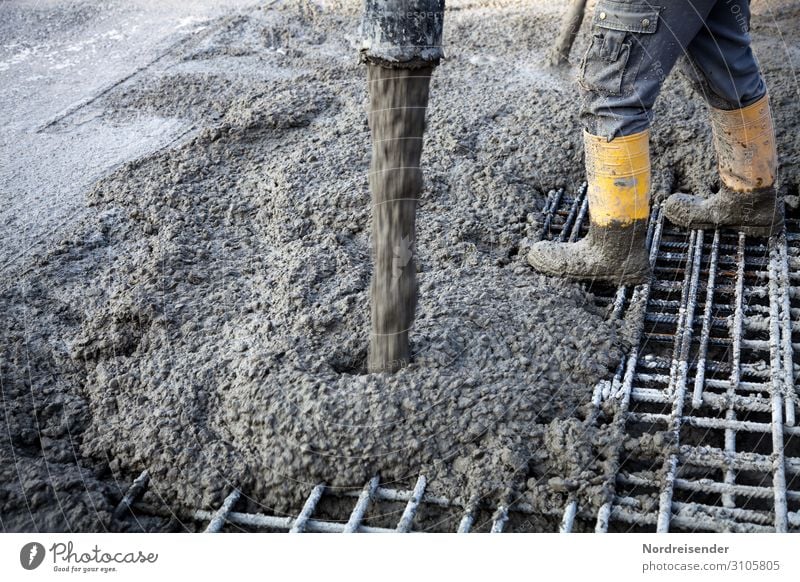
{"x":210,"y":321}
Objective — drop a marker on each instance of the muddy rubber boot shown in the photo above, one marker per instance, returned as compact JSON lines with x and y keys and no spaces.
{"x":615,"y":248}
{"x":747,"y":161}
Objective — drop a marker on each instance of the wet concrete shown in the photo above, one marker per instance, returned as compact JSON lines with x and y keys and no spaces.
{"x":206,"y":316}
{"x":56,"y":57}
{"x":398,"y":100}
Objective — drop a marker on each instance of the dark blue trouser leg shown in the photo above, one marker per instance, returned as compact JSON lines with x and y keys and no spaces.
{"x":725,"y":70}
{"x":636,"y":43}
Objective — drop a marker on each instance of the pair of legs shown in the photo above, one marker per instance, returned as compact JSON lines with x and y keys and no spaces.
{"x":634,"y":46}
{"x":628,"y":61}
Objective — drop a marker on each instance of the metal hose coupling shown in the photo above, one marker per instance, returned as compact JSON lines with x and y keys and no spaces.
{"x":402,"y":33}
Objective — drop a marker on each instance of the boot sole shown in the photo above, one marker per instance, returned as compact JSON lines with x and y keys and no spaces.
{"x":628,"y":278}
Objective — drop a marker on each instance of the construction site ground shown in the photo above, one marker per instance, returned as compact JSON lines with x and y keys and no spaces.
{"x":184,"y":309}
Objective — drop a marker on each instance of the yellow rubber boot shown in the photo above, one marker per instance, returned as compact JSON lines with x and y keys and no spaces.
{"x":618,"y":173}
{"x":748,"y":165}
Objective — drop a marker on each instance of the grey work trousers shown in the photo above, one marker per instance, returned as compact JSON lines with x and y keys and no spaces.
{"x":636,"y":43}
{"x":634,"y":46}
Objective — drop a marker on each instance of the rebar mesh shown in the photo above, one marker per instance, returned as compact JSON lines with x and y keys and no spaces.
{"x":712,"y":371}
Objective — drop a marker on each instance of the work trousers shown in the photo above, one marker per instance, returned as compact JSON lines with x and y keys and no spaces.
{"x":635,"y":44}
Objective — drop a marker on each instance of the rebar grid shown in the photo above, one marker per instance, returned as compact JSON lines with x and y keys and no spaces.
{"x":750,"y":311}
{"x":753,"y":398}
{"x":712,"y":370}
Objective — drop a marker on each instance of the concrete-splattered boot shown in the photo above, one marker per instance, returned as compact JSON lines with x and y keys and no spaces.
{"x":747,"y":161}
{"x":615,"y":248}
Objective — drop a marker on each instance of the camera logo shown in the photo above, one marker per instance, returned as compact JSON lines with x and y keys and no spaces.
{"x":31,"y":555}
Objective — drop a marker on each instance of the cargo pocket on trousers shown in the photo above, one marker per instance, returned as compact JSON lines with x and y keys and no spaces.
{"x":604,"y":64}
{"x":615,"y":25}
